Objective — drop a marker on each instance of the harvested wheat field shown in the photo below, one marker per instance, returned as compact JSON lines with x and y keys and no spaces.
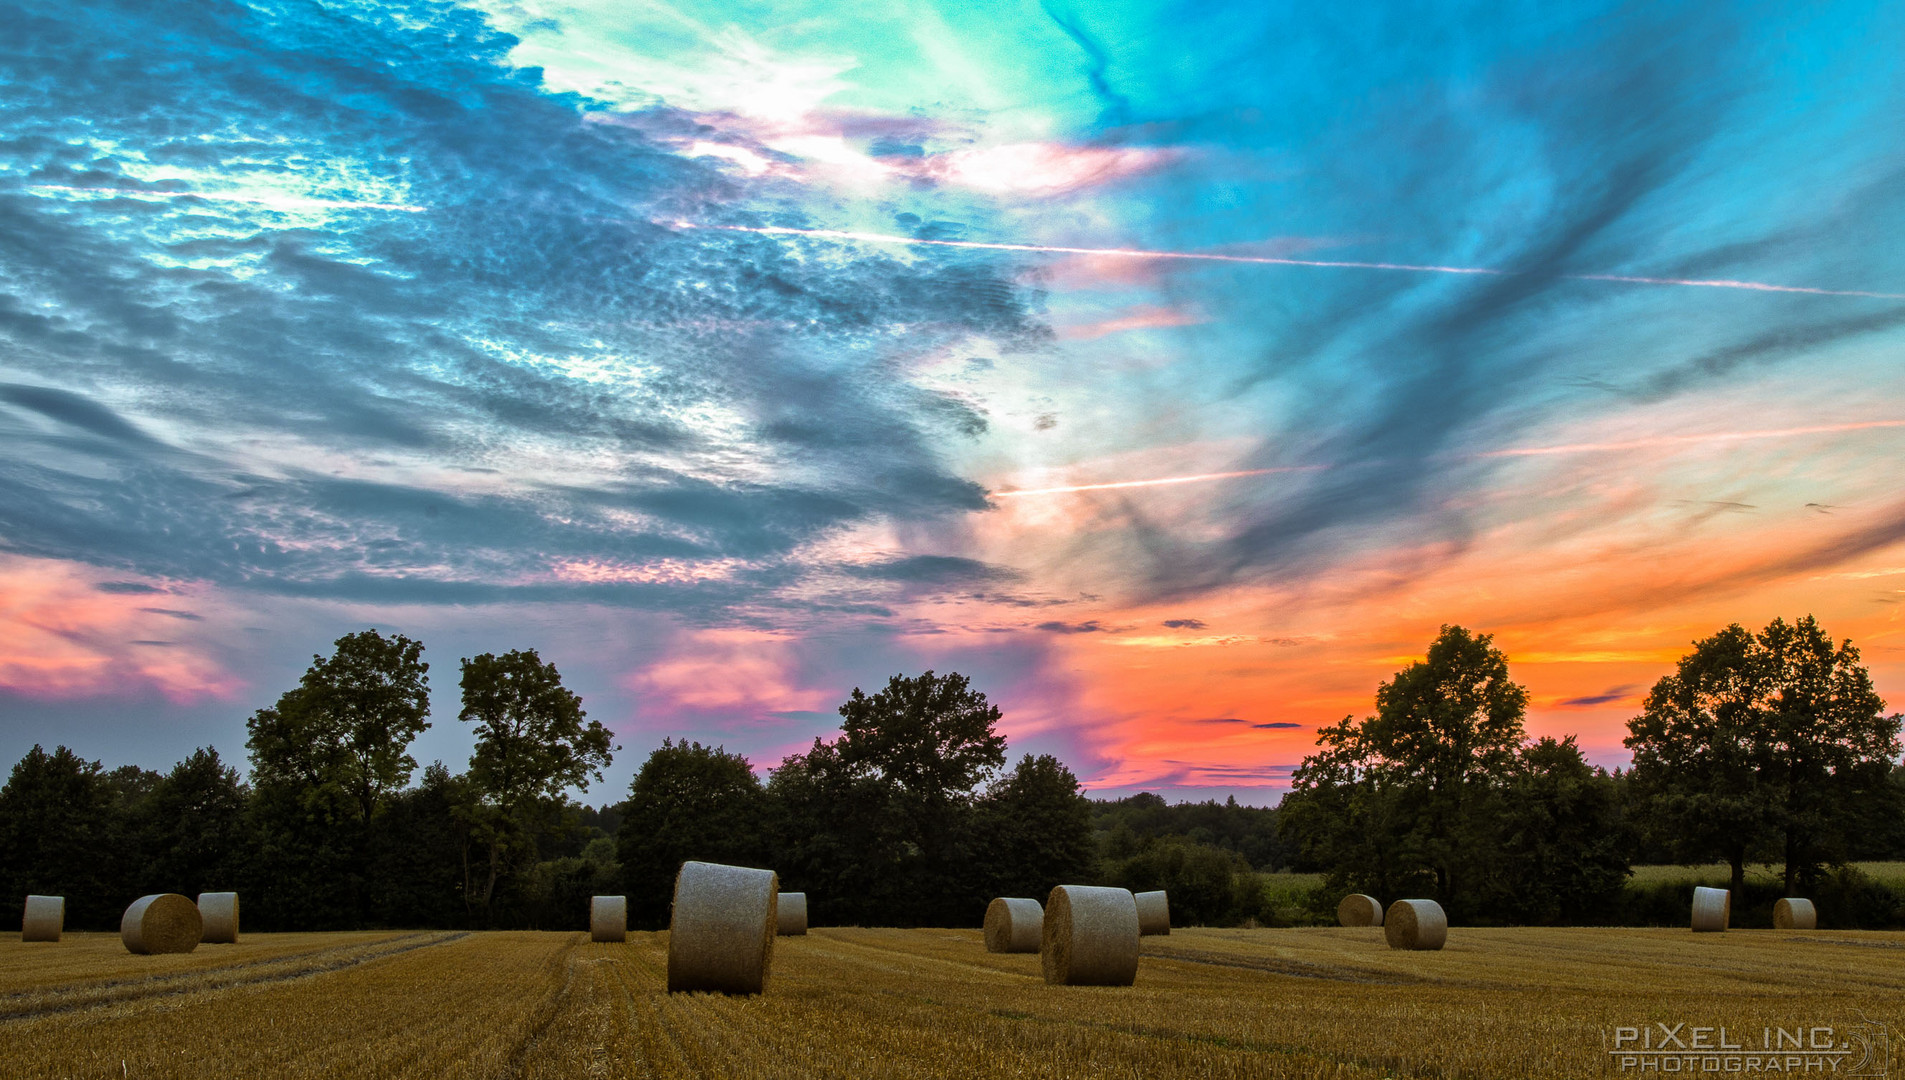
{"x":1325,"y":1002}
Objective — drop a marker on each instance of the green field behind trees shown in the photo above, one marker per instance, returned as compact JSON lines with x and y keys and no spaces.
{"x":1764,"y":762}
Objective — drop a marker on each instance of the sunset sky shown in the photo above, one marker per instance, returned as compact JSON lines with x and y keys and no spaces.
{"x":1174,"y":371}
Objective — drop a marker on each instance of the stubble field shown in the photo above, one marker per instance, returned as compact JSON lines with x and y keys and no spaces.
{"x":1313,"y":1002}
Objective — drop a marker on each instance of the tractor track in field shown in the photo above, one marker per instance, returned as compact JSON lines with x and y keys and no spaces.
{"x":1294,"y":968}
{"x":78,"y":997}
{"x":545,"y":1013}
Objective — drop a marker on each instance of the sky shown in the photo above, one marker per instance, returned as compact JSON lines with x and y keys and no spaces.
{"x":1174,"y":371}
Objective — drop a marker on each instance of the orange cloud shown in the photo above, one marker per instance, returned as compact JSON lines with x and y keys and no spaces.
{"x":1594,"y":572}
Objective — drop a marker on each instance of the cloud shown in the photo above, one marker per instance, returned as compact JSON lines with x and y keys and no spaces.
{"x":1089,"y":627}
{"x":1382,"y":385}
{"x":467,"y":403}
{"x":73,"y":409}
{"x":127,"y":587}
{"x":1277,"y":725}
{"x":1185,"y":624}
{"x":1117,"y":108}
{"x":945,"y":570}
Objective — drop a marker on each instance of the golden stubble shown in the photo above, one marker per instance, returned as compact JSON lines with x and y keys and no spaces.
{"x":1312,"y":1002}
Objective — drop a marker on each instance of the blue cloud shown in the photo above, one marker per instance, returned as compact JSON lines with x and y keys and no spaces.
{"x":409,"y":255}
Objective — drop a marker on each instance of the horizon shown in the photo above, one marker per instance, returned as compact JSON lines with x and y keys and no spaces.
{"x":1173,"y":373}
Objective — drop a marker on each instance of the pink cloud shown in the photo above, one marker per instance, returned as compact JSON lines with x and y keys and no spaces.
{"x":61,"y":637}
{"x":822,"y":146}
{"x":733,"y":671}
{"x":1042,"y":168}
{"x":1145,"y":317}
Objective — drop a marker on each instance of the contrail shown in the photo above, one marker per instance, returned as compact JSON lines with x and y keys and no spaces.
{"x":1268,"y":260}
{"x":1528,"y":451}
{"x":288,"y":202}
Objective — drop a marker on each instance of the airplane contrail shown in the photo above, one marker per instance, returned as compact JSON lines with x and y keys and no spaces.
{"x":1528,"y":451}
{"x":288,"y":202}
{"x":1270,"y":260}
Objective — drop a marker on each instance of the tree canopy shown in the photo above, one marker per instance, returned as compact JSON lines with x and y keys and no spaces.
{"x":1768,"y":743}
{"x":1439,"y":793}
{"x":533,"y":742}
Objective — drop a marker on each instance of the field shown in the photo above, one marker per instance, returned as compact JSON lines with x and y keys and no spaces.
{"x":1718,"y":874}
{"x":1308,"y":1002}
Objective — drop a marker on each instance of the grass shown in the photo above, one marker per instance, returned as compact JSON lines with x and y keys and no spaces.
{"x":1306,"y":1002}
{"x":1717,"y":875}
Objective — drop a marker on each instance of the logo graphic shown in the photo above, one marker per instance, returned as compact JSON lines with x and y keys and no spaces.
{"x":1861,"y":1050}
{"x":1872,"y":1050}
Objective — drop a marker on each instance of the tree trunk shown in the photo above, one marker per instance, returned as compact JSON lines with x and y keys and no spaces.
{"x":1738,"y":859}
{"x":489,"y":890}
{"x":1792,"y":857}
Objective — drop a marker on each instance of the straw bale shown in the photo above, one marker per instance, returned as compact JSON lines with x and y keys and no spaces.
{"x":1712,"y":909}
{"x":1014,"y":924}
{"x":1795,"y":913}
{"x":1154,"y":913}
{"x":1415,"y":924}
{"x":721,"y":932}
{"x":792,"y":920}
{"x":608,"y":918}
{"x":1090,"y":937}
{"x":44,"y":918}
{"x":219,"y":911}
{"x":1359,"y":910}
{"x":161,"y":923}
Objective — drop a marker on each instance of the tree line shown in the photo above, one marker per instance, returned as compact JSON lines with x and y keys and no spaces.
{"x":909,"y":817}
{"x":1767,"y":746}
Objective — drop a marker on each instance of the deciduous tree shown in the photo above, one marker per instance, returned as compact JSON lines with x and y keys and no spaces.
{"x":1407,"y":792}
{"x":1773,"y":742}
{"x":688,"y":801}
{"x":533,"y":742}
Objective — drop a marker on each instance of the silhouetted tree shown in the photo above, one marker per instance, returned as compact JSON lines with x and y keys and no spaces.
{"x":197,"y":827}
{"x":59,"y":837}
{"x":344,"y":733}
{"x":1562,"y":842}
{"x":532,"y":744}
{"x":1033,"y":831}
{"x":418,"y":854}
{"x":1771,"y":742}
{"x":325,"y":761}
{"x":1409,"y":792}
{"x":688,"y":801}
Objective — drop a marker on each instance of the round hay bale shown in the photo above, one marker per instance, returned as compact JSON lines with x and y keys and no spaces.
{"x":1359,"y":910}
{"x":1089,"y":937}
{"x":792,"y":918}
{"x":721,"y":932}
{"x":608,"y":918}
{"x":1795,"y":913}
{"x":1154,"y":913}
{"x":1415,"y":924}
{"x":44,"y":918}
{"x":1712,"y":909}
{"x":219,"y":912}
{"x":161,"y":923}
{"x":1014,"y":924}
